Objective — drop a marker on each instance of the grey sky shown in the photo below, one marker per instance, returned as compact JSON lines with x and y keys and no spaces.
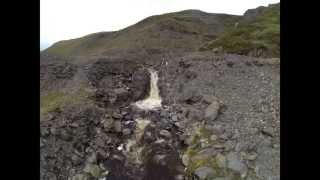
{"x":67,"y":19}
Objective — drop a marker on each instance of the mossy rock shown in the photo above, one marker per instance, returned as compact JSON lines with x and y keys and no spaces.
{"x":198,"y":157}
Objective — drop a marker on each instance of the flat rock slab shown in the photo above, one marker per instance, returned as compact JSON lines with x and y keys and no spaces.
{"x":205,"y":172}
{"x":235,"y":164}
{"x":212,"y":111}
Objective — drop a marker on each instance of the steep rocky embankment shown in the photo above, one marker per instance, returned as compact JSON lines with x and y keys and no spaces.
{"x":171,"y":115}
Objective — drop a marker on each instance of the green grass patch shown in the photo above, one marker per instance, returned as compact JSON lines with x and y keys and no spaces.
{"x":57,"y":99}
{"x":64,"y":48}
{"x":262,"y":33}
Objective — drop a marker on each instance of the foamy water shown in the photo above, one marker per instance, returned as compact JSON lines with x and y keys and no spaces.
{"x":153,"y":101}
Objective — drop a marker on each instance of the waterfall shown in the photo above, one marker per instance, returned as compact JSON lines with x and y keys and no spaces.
{"x":153,"y":100}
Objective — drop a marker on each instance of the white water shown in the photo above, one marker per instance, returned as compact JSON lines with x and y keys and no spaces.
{"x":154,"y":99}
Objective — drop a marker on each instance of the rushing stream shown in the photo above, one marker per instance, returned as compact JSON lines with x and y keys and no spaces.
{"x":158,"y":158}
{"x":153,"y":101}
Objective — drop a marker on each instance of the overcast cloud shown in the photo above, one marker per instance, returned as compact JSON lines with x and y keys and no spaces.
{"x":67,"y":19}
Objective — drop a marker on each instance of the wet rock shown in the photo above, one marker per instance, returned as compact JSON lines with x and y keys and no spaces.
{"x":116,"y":115}
{"x":142,"y":124}
{"x":92,"y":158}
{"x":164,"y":114}
{"x":117,"y":126}
{"x":148,"y":137}
{"x":268,"y":131}
{"x":194,"y":99}
{"x":238,"y":147}
{"x":268,"y":157}
{"x":120,"y":148}
{"x":141,"y":85}
{"x":80,"y":177}
{"x":216,"y":129}
{"x":105,"y":173}
{"x":50,"y":117}
{"x":236,"y":135}
{"x":128,"y":117}
{"x":276,"y":146}
{"x":100,"y":141}
{"x":118,"y":157}
{"x":191,"y":97}
{"x":74,"y":125}
{"x":204,"y":172}
{"x":195,"y":115}
{"x":209,"y":99}
{"x":174,"y":118}
{"x":76,"y":160}
{"x":66,"y":136}
{"x":126,"y":131}
{"x":159,"y":158}
{"x":41,"y":143}
{"x":107,"y":115}
{"x":89,"y":149}
{"x":230,"y":63}
{"x":181,"y":115}
{"x":185,"y":159}
{"x":205,"y":154}
{"x":190,"y":75}
{"x":229,"y":145}
{"x":184,"y":64}
{"x":188,"y":140}
{"x":180,"y":124}
{"x":182,"y":137}
{"x":162,"y":122}
{"x":165,"y":133}
{"x":229,"y":133}
{"x":213,"y":137}
{"x":107,"y":123}
{"x":251,"y":156}
{"x":98,"y":131}
{"x":204,"y":143}
{"x":53,"y":131}
{"x":102,"y":153}
{"x":236,"y":165}
{"x":221,"y":160}
{"x":265,"y":142}
{"x":120,"y":90}
{"x":44,"y":132}
{"x":219,"y":146}
{"x":179,"y":168}
{"x":224,"y":137}
{"x":93,"y":169}
{"x":179,"y":177}
{"x":223,"y":178}
{"x":78,"y":153}
{"x":212,"y":111}
{"x":64,"y":71}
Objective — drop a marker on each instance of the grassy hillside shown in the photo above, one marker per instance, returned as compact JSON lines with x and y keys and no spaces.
{"x":258,"y":36}
{"x":185,"y":30}
{"x":257,"y":33}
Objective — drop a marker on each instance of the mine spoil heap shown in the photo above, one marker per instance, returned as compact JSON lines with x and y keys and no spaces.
{"x":165,"y":99}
